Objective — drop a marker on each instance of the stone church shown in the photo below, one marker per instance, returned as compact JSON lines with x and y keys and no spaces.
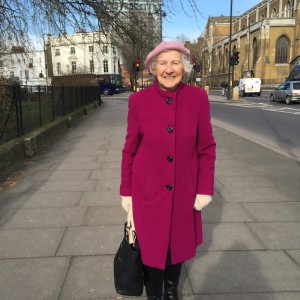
{"x":266,"y":37}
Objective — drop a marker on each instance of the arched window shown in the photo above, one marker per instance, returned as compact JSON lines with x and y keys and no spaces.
{"x":220,"y":60}
{"x":288,"y":10}
{"x":226,"y":57}
{"x":282,"y":47}
{"x":255,"y":50}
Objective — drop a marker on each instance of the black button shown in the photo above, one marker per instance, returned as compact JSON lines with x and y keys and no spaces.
{"x":170,"y":128}
{"x":168,"y":100}
{"x":169,"y":187}
{"x":170,"y":158}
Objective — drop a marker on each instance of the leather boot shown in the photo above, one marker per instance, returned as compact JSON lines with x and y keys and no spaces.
{"x":171,"y":281}
{"x":153,"y":280}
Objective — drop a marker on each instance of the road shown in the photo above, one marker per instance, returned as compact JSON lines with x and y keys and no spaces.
{"x":273,"y":125}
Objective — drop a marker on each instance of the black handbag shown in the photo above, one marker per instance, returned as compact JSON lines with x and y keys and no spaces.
{"x":128,"y":272}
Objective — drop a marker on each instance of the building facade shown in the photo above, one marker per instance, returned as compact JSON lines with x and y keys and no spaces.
{"x":82,"y":53}
{"x":266,"y":37}
{"x":27,"y":68}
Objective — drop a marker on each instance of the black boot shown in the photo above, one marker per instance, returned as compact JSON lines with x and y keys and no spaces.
{"x":171,"y":281}
{"x":153,"y":280}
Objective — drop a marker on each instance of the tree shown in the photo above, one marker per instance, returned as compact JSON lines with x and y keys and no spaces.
{"x":134,"y":27}
{"x":21,"y":17}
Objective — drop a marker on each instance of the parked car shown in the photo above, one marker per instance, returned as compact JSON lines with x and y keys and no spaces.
{"x":288,"y":91}
{"x":249,"y":86}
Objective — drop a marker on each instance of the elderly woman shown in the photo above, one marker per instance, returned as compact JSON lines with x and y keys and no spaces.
{"x":167,"y":174}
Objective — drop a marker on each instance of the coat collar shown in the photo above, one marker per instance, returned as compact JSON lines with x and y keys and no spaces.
{"x":168,"y":94}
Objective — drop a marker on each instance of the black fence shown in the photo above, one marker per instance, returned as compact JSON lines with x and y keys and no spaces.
{"x":24,"y":108}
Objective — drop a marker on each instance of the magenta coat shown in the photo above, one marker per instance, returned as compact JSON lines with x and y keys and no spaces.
{"x":167,"y":159}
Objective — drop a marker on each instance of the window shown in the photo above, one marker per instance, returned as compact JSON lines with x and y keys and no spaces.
{"x":12,"y":62}
{"x":12,"y":74}
{"x":20,"y":74}
{"x":255,"y":50}
{"x":73,"y":67}
{"x":105,"y":49}
{"x":57,"y":52}
{"x":91,"y":66}
{"x":282,"y":47}
{"x":72,"y":50}
{"x":105,"y":66}
{"x":58,"y":68}
{"x":30,"y":63}
{"x":288,"y":12}
{"x":91,"y":48}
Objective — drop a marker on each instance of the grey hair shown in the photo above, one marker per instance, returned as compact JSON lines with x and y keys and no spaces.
{"x":185,"y":62}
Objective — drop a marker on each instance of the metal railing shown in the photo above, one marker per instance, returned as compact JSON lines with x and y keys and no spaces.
{"x":25,"y":108}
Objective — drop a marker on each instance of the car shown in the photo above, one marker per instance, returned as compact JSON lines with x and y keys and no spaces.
{"x":288,"y":92}
{"x":249,"y":86}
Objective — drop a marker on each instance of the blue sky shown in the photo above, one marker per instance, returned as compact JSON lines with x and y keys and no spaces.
{"x":179,"y":23}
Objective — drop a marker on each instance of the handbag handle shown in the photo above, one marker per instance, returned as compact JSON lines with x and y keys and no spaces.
{"x":130,"y":228}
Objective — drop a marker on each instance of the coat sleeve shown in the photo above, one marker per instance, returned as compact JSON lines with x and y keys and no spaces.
{"x":206,"y":149}
{"x":131,"y":146}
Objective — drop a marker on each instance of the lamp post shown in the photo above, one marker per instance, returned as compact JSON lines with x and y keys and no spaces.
{"x":229,"y":53}
{"x":161,"y":14}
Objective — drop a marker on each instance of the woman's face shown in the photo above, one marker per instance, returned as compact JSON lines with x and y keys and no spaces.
{"x":169,"y":69}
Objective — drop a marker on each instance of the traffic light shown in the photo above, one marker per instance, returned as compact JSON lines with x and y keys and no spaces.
{"x":194,"y":63}
{"x":137,"y":64}
{"x":236,"y":57}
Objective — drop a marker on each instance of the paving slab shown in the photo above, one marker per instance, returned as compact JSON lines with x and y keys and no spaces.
{"x":295,"y":255}
{"x":251,"y":296}
{"x":69,"y":185}
{"x":100,"y":198}
{"x":32,"y":278}
{"x":91,"y":240}
{"x":278,"y":193}
{"x":37,"y":242}
{"x":231,"y":272}
{"x":226,"y":212}
{"x":268,"y":212}
{"x":104,"y":215}
{"x":40,"y":199}
{"x":45,"y":217}
{"x":65,"y":175}
{"x":229,"y":236}
{"x":278,"y":235}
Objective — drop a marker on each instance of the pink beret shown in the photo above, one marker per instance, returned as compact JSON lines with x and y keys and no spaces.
{"x":164,"y":46}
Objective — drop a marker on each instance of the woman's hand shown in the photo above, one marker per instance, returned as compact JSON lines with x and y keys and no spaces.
{"x":126,"y":202}
{"x":202,"y":201}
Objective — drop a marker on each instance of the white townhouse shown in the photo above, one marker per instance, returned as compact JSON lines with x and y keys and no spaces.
{"x":28,"y":68}
{"x":82,"y":53}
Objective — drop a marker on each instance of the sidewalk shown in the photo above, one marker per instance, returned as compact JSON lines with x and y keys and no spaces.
{"x":62,"y":223}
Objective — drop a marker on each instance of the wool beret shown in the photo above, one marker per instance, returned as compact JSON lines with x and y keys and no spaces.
{"x":164,"y":46}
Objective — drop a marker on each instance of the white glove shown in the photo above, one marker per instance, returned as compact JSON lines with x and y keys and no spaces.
{"x":202,"y":201}
{"x":126,"y":202}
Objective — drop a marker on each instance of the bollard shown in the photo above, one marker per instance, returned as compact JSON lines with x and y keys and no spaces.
{"x":235,"y":93}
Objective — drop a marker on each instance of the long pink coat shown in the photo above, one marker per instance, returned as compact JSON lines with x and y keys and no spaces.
{"x":167,"y":159}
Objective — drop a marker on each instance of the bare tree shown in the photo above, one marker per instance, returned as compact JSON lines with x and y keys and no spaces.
{"x":18,"y":17}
